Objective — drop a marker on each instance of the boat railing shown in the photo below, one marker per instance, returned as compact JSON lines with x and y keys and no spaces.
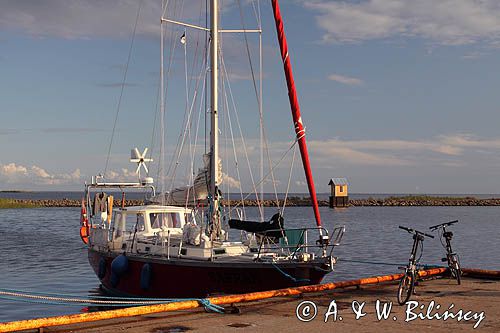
{"x":96,"y":185}
{"x":294,"y":241}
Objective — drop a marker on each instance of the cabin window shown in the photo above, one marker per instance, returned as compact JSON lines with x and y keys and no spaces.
{"x":157,"y":220}
{"x":167,"y":220}
{"x":134,"y":219}
{"x":116,"y":226}
{"x":125,"y":224}
{"x":341,"y":188}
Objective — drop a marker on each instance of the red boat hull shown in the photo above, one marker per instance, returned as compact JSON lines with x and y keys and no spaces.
{"x":198,"y":279}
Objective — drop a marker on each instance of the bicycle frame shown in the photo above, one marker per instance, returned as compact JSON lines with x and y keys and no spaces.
{"x":407,"y":283}
{"x":412,"y":264}
{"x":451,"y":257}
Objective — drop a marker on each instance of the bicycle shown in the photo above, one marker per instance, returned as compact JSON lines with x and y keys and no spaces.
{"x":407,"y":283}
{"x":451,"y":257}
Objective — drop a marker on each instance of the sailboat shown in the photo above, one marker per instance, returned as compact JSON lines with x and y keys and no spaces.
{"x":165,"y":249}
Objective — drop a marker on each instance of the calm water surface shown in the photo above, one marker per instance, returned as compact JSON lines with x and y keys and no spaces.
{"x":41,"y":248}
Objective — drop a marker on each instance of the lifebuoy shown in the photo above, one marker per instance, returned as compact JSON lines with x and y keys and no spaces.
{"x":84,"y":229}
{"x":84,"y":233}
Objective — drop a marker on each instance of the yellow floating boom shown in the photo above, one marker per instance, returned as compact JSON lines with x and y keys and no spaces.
{"x":184,"y":305}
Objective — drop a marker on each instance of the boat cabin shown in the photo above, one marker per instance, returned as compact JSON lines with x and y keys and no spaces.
{"x":151,"y":220}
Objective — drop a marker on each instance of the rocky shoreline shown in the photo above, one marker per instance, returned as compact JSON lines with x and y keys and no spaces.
{"x":300,"y":202}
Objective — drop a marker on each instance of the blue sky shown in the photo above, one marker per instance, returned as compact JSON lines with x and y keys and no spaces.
{"x":397,"y":96}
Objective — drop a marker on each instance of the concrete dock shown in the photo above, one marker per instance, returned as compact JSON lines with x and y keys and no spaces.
{"x":440,"y":305}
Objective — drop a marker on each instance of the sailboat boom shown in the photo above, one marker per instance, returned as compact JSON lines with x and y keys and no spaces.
{"x":295,"y":108}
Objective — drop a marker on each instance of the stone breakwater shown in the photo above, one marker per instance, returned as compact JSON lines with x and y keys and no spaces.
{"x":70,"y":202}
{"x":303,"y":201}
{"x":426,"y":201}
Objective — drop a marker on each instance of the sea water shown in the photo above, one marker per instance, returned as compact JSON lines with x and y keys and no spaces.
{"x":41,"y":250}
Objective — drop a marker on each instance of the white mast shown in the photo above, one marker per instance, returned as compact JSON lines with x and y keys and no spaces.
{"x":162,"y":109}
{"x":214,"y":131}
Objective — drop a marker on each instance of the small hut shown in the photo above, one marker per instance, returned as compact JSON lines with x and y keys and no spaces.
{"x":339,"y":196}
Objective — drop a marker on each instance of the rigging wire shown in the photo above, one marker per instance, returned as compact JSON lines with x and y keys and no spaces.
{"x":182,"y":137}
{"x":153,"y":132}
{"x":258,"y":96}
{"x":122,"y":88}
{"x":234,"y":148}
{"x":242,"y":138}
{"x":289,"y":181}
{"x":163,"y":109}
{"x":224,"y":115}
{"x":197,"y":132}
{"x":270,"y":171}
{"x":190,"y":174}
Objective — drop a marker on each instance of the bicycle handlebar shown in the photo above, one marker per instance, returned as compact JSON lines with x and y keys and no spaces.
{"x":434,"y":227}
{"x":413,"y":231}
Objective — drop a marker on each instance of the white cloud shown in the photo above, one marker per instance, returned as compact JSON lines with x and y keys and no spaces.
{"x":73,"y":19}
{"x":230,"y":181}
{"x":469,"y":141}
{"x":335,"y":149}
{"x":77,"y":19}
{"x":76,"y":174}
{"x":13,"y":173}
{"x":124,"y":175}
{"x":12,"y":170}
{"x":444,"y":22}
{"x":39,"y":172}
{"x":351,"y":81}
{"x":437,"y":145}
{"x":446,"y":150}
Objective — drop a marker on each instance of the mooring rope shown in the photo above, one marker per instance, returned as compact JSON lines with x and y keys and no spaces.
{"x":288,"y":275}
{"x":66,"y":299}
{"x":425,"y":266}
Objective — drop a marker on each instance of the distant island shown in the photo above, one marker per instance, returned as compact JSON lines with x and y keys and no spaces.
{"x":294,"y":201}
{"x":15,"y":191}
{"x":13,"y":203}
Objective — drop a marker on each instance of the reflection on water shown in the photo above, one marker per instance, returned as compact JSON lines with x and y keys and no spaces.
{"x":41,"y":248}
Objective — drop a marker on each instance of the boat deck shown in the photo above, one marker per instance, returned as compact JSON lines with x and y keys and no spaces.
{"x":279,"y":314}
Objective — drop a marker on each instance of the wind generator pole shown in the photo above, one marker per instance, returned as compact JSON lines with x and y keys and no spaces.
{"x":214,"y":129}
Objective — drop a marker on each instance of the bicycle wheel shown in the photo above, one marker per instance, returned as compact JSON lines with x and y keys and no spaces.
{"x":405,"y":288}
{"x":455,"y":270}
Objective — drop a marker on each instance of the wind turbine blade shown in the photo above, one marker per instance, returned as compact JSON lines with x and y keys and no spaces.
{"x":145,"y":168}
{"x":137,"y":154}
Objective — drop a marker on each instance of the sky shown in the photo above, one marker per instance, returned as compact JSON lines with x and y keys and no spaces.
{"x":397,"y":96}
